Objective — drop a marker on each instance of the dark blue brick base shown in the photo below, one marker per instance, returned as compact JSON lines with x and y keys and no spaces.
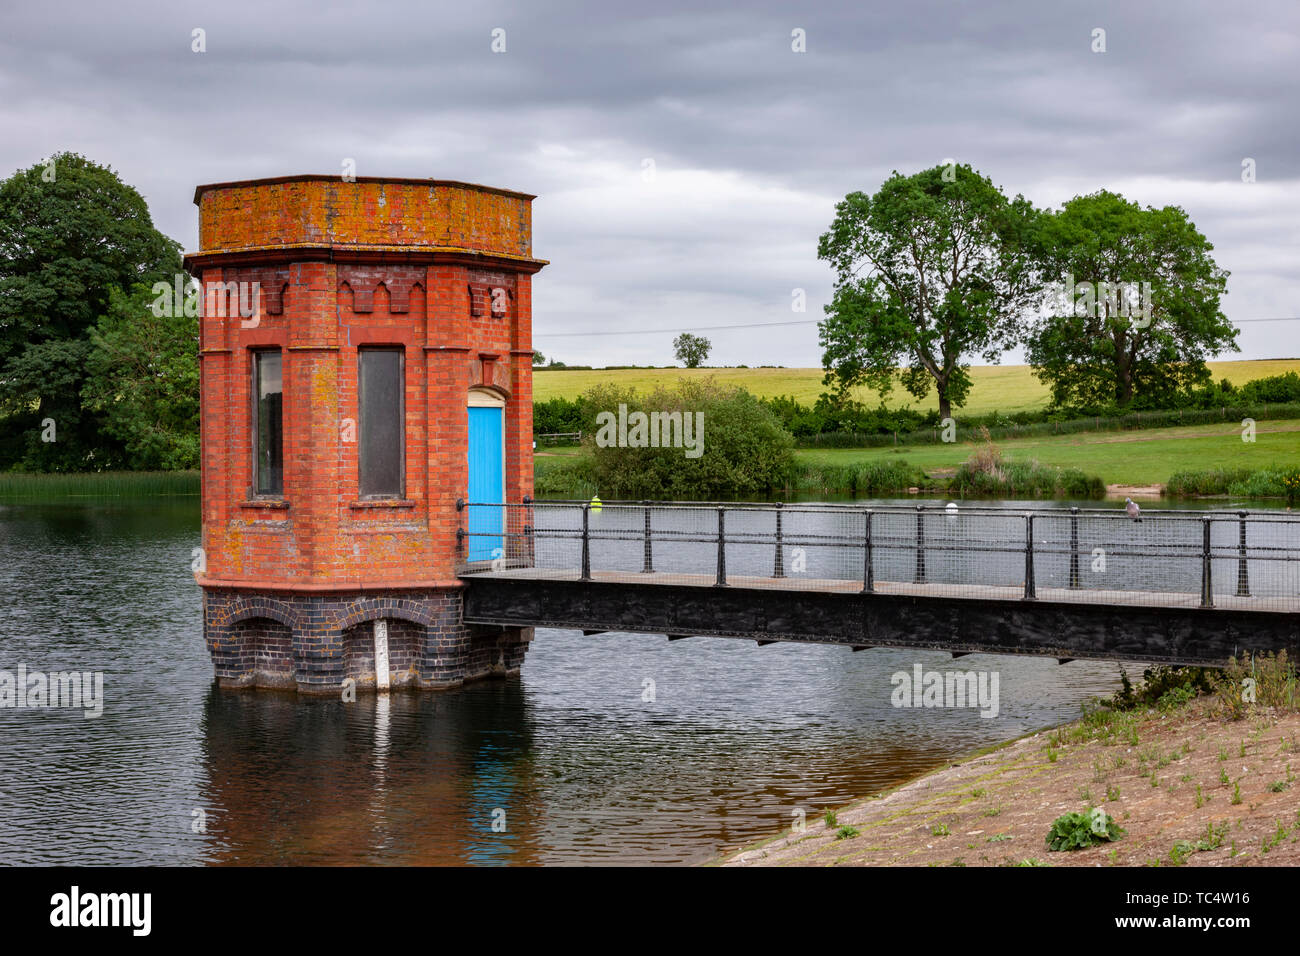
{"x":314,"y":642}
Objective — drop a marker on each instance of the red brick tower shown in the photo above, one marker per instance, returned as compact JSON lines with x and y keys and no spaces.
{"x":335,"y":422}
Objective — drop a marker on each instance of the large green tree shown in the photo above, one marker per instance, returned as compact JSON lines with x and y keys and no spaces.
{"x":934,"y":268}
{"x":1142,"y":312}
{"x":142,"y":381}
{"x":71,"y":232}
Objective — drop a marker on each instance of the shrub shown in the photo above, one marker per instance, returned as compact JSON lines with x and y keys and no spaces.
{"x":848,"y":424}
{"x":1165,"y":686}
{"x":1291,"y":483}
{"x":1275,"y":684}
{"x":982,"y":477}
{"x":1073,"y":483}
{"x":745,"y":449}
{"x":875,"y":478}
{"x":1265,"y":483}
{"x":986,"y":474}
{"x":1276,"y":481}
{"x":1078,"y":831}
{"x":563,"y":478}
{"x":869,"y":479}
{"x":1211,"y":481}
{"x":561,"y":415}
{"x":1272,"y":389}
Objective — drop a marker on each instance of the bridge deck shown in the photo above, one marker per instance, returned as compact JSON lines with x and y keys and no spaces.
{"x":982,"y":592}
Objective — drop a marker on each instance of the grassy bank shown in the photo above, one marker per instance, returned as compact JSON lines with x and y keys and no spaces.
{"x":1281,"y":482}
{"x":1193,"y":776}
{"x":996,"y":388}
{"x":103,"y":484}
{"x":1024,"y":479}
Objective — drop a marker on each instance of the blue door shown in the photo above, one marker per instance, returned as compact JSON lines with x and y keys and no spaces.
{"x":487,"y":475}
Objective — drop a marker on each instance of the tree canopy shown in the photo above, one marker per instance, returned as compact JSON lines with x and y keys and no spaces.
{"x":143,"y":382}
{"x":691,"y":350}
{"x":72,"y":235}
{"x":1141,"y":316}
{"x":933,"y":267}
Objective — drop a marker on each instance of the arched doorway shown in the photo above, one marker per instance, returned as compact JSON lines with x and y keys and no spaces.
{"x":487,"y":473}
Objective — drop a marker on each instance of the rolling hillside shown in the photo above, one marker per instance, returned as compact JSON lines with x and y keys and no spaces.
{"x":1000,"y":388}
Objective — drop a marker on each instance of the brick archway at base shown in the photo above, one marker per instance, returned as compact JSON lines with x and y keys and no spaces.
{"x":445,"y":653}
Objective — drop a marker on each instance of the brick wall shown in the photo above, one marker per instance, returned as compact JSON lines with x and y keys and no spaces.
{"x":315,"y":642}
{"x":379,"y":212}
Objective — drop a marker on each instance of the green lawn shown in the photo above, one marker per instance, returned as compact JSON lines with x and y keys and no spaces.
{"x":1137,"y":457}
{"x":997,"y":388}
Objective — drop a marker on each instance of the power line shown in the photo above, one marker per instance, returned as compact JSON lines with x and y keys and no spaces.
{"x":697,"y":328}
{"x":769,"y":325}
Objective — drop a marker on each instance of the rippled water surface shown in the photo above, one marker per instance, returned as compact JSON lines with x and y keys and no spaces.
{"x":571,"y":756}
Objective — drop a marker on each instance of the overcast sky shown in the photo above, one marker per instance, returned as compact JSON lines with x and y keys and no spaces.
{"x":752,"y":143}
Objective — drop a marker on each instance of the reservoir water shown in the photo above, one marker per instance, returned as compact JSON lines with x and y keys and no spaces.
{"x":575,"y":761}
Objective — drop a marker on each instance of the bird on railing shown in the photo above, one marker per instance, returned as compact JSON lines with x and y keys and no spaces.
{"x":1131,"y":509}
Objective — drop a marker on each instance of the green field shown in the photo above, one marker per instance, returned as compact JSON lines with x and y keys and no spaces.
{"x":997,"y":388}
{"x":1145,"y":457}
{"x":1133,"y":458}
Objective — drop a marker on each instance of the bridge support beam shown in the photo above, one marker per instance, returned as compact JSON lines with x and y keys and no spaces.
{"x":1046,"y":628}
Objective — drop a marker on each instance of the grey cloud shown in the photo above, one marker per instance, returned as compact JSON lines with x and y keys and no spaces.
{"x":753,"y":144}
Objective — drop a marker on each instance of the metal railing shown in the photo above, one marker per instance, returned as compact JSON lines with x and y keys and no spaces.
{"x":1234,"y":559}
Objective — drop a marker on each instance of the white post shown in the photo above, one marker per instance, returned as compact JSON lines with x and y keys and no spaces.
{"x":381,"y":655}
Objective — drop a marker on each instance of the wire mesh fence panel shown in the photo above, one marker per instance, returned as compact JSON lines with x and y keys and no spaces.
{"x":979,"y":548}
{"x":557,"y":536}
{"x":685,"y":542}
{"x":1057,"y":561}
{"x":1100,"y":555}
{"x":949,"y":550}
{"x":827,"y":544}
{"x":750,"y":552}
{"x":610,"y":531}
{"x":1227,"y":575}
{"x":1255,"y":561}
{"x":894,"y":546}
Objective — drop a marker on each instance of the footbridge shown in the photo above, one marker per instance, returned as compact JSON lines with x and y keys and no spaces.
{"x":1185,"y":587}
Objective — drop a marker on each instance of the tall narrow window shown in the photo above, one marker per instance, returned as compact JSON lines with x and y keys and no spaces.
{"x":382,"y":436}
{"x":268,"y":425}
